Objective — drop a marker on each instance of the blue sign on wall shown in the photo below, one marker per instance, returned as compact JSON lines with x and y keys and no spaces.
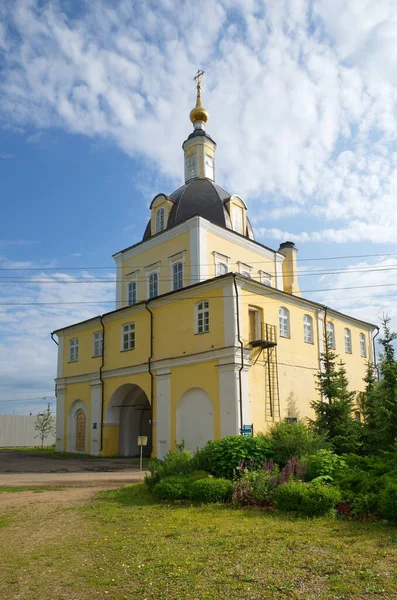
{"x":247,"y":430}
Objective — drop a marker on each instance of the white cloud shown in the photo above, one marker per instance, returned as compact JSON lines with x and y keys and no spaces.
{"x":50,"y":301}
{"x":302,"y":96}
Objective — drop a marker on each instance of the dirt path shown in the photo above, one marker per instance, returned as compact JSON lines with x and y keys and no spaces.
{"x":86,"y":479}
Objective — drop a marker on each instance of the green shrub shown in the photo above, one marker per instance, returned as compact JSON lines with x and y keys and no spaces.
{"x":254,"y":488}
{"x":222,"y":457}
{"x":318,"y":500}
{"x":172,"y":488}
{"x":199,"y":475}
{"x":293,"y":439}
{"x":312,"y":500}
{"x":388,"y":502}
{"x":288,"y":497}
{"x":365,"y":505}
{"x":175,"y":463}
{"x":243,"y":492}
{"x":325,"y":462}
{"x":211,"y":490}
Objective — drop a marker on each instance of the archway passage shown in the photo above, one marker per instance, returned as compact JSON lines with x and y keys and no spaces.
{"x":194,"y":419}
{"x":130,"y":409}
{"x":81,"y":426}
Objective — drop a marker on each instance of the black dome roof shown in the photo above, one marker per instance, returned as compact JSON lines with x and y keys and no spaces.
{"x":199,"y":197}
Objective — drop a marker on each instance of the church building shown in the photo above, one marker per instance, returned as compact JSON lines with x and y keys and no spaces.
{"x":211,"y":333}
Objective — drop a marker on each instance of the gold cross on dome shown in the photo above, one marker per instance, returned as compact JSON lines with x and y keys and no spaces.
{"x":198,"y":76}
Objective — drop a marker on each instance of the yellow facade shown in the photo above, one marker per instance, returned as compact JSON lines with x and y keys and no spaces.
{"x":210,"y":332}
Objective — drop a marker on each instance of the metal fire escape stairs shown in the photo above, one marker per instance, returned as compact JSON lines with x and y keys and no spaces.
{"x":265,"y":349}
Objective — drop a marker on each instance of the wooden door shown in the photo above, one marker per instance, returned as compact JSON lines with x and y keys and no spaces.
{"x":252,"y":324}
{"x":80,"y":431}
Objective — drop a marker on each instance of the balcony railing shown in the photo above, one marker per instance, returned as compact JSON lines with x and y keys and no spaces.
{"x":265,"y":337}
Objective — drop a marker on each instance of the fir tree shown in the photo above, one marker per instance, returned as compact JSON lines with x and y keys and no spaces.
{"x":364,"y":399}
{"x":334,"y":410}
{"x":381,"y":423}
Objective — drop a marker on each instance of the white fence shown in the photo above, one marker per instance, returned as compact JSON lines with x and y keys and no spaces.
{"x":18,"y":430}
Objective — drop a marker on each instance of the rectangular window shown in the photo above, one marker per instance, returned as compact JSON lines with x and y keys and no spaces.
{"x":131,"y":293}
{"x":283,"y":320}
{"x":74,"y":350}
{"x":98,"y":343}
{"x":160,"y":220}
{"x":153,"y":285}
{"x":177,"y":275}
{"x":203,"y":317}
{"x":363,"y":346}
{"x":128,"y":337}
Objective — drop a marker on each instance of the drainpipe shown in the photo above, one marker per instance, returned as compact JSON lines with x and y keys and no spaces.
{"x":101,"y":380}
{"x":55,"y":342}
{"x":149,"y":362}
{"x":374,"y":352}
{"x":242,"y":354}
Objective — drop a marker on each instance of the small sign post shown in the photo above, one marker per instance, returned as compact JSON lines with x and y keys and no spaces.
{"x":142,"y":441}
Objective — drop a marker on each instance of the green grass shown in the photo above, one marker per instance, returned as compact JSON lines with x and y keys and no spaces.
{"x":124,"y":546}
{"x":4,"y":489}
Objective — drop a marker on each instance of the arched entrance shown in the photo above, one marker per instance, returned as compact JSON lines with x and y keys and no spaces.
{"x":77,"y":430}
{"x":194,"y":419}
{"x":130,"y":409}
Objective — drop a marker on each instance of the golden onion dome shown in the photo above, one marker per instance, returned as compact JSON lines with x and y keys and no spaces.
{"x":198,"y":113}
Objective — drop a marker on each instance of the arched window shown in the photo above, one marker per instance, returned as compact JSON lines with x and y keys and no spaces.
{"x":330,"y":329}
{"x":246,"y":274}
{"x":363,"y":345}
{"x":238,"y":219}
{"x":221,"y":269}
{"x":308,"y":329}
{"x":348,"y":341}
{"x":202,"y":317}
{"x":160,"y":220}
{"x":284,"y":326}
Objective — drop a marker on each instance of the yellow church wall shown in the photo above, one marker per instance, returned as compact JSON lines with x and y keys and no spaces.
{"x":87,"y":363}
{"x":216,"y":243}
{"x":200,"y":375}
{"x":115,"y":357}
{"x":174,"y":326}
{"x":78,"y":391}
{"x":161,"y":253}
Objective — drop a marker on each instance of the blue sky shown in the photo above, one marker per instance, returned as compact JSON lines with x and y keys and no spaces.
{"x":94,"y":105}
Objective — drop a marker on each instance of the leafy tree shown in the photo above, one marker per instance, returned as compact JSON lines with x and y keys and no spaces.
{"x":334,"y":410}
{"x":381,"y":404}
{"x":44,"y":425}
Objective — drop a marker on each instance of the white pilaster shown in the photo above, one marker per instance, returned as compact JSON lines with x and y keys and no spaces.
{"x":61,"y":344}
{"x":60,"y":419}
{"x":96,"y":407}
{"x":229,"y":315}
{"x":245,"y":398}
{"x":203,"y":256}
{"x":163,"y":380}
{"x":194,"y":254}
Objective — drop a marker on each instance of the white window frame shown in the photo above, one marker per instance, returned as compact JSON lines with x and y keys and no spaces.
{"x":244,"y":268}
{"x":221,"y":268}
{"x":284,"y":325}
{"x":330,"y":333}
{"x":150,"y":270}
{"x":308,"y":329}
{"x":238,"y":210}
{"x":128,"y":329}
{"x":177,"y":276}
{"x":363,"y":345}
{"x":202,"y":317}
{"x":258,"y":321}
{"x":348,"y":340}
{"x":97,"y":344}
{"x":265,"y":278}
{"x":130,"y":283}
{"x":159,"y":219}
{"x":74,"y":349}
